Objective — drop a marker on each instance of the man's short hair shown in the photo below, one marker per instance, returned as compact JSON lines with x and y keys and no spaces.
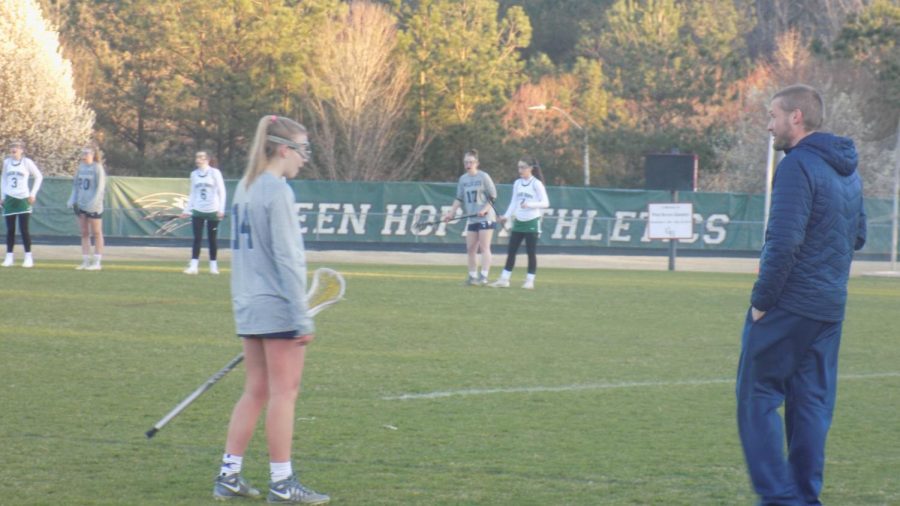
{"x":807,"y":100}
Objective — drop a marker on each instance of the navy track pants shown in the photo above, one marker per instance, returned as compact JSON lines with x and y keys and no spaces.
{"x":789,"y":359}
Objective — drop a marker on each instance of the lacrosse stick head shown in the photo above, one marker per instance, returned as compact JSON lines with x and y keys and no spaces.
{"x":423,"y":224}
{"x":327,"y":288}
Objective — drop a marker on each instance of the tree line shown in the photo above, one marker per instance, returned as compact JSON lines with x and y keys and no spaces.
{"x":400,"y":89}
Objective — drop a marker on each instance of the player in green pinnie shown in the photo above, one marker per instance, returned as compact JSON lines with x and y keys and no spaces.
{"x":16,"y":199}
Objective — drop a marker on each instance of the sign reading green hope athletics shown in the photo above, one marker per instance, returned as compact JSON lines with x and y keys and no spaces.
{"x":365,"y":212}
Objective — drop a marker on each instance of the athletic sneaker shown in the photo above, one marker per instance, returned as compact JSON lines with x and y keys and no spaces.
{"x":529,"y":284}
{"x":28,"y":263}
{"x":94,"y":267}
{"x":482,"y":280}
{"x":191,"y":270}
{"x":290,"y":491}
{"x":232,"y":486}
{"x":472,"y":281}
{"x":84,"y":265}
{"x":500,"y":283}
{"x":8,"y":262}
{"x":213,"y":270}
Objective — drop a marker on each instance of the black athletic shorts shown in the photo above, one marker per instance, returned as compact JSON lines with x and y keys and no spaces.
{"x":484,"y":225}
{"x":82,"y":212}
{"x":290,"y":334}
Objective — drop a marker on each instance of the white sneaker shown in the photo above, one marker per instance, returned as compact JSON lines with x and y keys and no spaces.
{"x":191,"y":270}
{"x":94,"y":267}
{"x":28,"y":263}
{"x":529,"y":284}
{"x":213,"y":270}
{"x":8,"y":262}
{"x":500,"y":283}
{"x":83,"y":266}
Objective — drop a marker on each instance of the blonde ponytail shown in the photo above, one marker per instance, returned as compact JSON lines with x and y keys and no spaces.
{"x":262,"y":149}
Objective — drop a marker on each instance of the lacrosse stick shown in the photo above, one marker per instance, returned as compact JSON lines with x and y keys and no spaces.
{"x":422,"y":223}
{"x":327,"y":289}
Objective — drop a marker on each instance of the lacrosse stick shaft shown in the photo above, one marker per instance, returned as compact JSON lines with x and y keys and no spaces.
{"x":436,"y":222}
{"x":196,"y":393}
{"x":210,"y":382}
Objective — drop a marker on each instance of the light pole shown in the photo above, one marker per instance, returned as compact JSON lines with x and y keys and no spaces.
{"x":584,"y":132}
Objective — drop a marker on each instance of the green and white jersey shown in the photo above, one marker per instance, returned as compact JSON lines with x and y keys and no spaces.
{"x":88,"y":188}
{"x":528,"y":199}
{"x":268,"y":262}
{"x":207,"y":191}
{"x":14,"y":179}
{"x":474,"y":192}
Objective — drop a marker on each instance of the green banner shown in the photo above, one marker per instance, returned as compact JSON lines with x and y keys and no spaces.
{"x":384,"y":213}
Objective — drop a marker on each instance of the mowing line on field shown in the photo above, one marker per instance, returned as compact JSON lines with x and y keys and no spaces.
{"x":598,"y":386}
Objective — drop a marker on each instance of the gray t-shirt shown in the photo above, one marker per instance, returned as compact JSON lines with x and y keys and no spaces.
{"x":88,"y":187}
{"x":268,"y":262}
{"x":474,"y":192}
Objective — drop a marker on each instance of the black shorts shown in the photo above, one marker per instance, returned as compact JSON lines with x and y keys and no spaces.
{"x":92,"y":216}
{"x":484,"y":225}
{"x":290,"y":334}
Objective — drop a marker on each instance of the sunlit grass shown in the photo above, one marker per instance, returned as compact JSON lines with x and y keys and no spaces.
{"x":599,"y":387}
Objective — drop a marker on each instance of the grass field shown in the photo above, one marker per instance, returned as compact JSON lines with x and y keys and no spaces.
{"x":600,"y":387}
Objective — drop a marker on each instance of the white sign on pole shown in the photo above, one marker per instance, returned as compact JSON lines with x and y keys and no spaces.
{"x":670,"y":220}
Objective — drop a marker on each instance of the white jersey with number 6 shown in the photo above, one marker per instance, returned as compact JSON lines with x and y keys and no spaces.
{"x":207,"y":191}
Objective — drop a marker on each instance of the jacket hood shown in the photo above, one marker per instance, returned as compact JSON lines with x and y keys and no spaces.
{"x":839,"y":152}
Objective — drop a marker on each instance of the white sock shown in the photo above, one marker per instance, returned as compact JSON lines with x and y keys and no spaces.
{"x":529,"y":277}
{"x":505,"y":274}
{"x":280,"y":470}
{"x":85,"y":259}
{"x":473,"y":274}
{"x":231,"y":464}
{"x":194,"y":263}
{"x":9,"y":256}
{"x":28,"y":255}
{"x":213,"y":264}
{"x":97,"y":259}
{"x":484,"y":272}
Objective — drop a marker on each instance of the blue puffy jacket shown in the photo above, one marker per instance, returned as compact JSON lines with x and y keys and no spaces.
{"x":816,"y":222}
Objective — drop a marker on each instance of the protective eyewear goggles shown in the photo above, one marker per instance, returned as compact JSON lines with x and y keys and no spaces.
{"x":304,"y":149}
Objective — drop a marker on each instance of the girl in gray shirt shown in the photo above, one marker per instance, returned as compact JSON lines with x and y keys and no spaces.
{"x":268,"y":290}
{"x":88,"y":189}
{"x":475,"y":194}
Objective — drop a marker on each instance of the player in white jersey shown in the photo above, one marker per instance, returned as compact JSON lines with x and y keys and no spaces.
{"x":526,"y":207}
{"x":475,"y":193}
{"x":88,"y":188}
{"x":206,"y":205}
{"x":268,"y":289}
{"x":16,"y":199}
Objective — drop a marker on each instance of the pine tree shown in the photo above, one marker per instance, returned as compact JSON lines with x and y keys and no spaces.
{"x":37,"y":94}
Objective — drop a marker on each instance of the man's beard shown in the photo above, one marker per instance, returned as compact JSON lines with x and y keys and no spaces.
{"x":780,"y":143}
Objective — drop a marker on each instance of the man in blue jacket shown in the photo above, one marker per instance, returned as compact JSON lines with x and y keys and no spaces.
{"x":791,"y":337}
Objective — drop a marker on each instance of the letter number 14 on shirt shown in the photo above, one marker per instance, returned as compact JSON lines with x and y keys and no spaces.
{"x":240,"y":227}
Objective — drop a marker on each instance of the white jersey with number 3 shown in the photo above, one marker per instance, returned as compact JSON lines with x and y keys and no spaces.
{"x":14,"y":180}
